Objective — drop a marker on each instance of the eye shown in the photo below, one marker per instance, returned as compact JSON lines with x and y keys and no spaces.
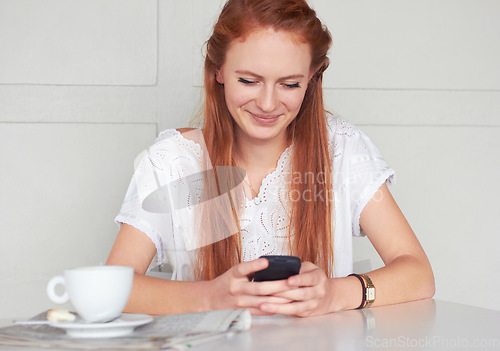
{"x":246,"y":81}
{"x":291,"y":86}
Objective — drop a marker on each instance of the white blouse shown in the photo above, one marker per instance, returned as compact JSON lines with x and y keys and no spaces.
{"x":358,"y":172}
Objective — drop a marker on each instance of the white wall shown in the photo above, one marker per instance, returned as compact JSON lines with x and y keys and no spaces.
{"x":85,"y":85}
{"x":78,"y":102}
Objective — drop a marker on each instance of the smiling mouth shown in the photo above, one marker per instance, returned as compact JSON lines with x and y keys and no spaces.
{"x":265,"y":119}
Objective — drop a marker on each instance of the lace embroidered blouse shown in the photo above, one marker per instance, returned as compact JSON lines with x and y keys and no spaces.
{"x":358,"y":171}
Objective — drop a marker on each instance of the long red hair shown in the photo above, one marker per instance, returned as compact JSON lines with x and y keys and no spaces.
{"x":311,"y":220}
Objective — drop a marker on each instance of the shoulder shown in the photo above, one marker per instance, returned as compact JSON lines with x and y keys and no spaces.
{"x":185,"y":130}
{"x":340,"y":131}
{"x":177,"y":133}
{"x":181,"y":137}
{"x":347,"y":142}
{"x":176,"y":144}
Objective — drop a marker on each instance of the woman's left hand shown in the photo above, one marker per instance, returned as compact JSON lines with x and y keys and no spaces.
{"x":311,"y":291}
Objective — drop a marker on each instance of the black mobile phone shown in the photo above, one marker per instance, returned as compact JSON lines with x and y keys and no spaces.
{"x":280,"y":267}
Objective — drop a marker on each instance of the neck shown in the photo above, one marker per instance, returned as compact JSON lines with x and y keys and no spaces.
{"x":259,"y":156}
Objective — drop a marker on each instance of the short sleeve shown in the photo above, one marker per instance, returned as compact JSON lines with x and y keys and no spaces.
{"x":157,"y":226}
{"x":367,"y":172}
{"x":170,"y":159}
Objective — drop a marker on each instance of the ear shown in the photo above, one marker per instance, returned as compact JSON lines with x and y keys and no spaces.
{"x":218,"y":77}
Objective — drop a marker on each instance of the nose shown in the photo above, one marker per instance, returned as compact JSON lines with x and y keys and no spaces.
{"x":267,"y":100}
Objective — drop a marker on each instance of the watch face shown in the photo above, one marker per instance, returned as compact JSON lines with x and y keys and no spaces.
{"x":370,"y":294}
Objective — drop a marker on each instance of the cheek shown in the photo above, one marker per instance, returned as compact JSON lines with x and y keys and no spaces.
{"x":235,"y":96}
{"x":294,"y":101}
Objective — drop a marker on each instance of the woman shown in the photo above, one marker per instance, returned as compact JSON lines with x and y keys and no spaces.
{"x":312,"y":181}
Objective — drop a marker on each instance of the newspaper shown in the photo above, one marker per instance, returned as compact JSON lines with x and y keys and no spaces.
{"x":164,"y":332}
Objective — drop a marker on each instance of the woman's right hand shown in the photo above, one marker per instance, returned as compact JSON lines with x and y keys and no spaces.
{"x":233,"y":289}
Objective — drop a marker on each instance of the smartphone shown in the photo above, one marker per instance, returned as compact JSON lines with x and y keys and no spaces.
{"x":280,"y":267}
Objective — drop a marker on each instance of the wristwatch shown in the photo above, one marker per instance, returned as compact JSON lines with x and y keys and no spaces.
{"x":369,"y":290}
{"x":368,"y":295}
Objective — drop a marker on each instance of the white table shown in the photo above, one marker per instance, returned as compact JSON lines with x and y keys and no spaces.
{"x":421,"y":325}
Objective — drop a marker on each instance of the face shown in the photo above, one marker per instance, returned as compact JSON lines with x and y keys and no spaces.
{"x":265,"y":78}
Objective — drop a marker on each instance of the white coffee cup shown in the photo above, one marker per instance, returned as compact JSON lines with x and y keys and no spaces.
{"x":99,"y":294}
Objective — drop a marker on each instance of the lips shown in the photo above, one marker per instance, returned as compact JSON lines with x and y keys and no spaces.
{"x":265,"y":119}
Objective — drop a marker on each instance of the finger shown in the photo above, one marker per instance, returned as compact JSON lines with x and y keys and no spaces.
{"x":302,"y":308}
{"x":299,"y":294}
{"x":245,"y":268}
{"x":307,"y":267}
{"x":254,"y":301}
{"x":249,"y":302}
{"x":266,"y":288}
{"x":306,"y":278}
{"x":278,"y":300}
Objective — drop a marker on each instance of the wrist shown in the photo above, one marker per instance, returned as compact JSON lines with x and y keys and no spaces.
{"x":347,"y":293}
{"x":205,"y":295}
{"x":368,"y":290}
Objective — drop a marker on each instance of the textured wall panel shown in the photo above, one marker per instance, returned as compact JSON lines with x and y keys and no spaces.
{"x":425,"y":44}
{"x":61,"y":186}
{"x":446,"y":185}
{"x":81,"y":42}
{"x":69,"y":103}
{"x":415,"y":107}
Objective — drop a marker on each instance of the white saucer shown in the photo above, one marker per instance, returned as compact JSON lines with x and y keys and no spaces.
{"x":124,"y":325}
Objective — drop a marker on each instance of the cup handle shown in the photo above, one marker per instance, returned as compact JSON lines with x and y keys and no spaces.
{"x":51,"y":292}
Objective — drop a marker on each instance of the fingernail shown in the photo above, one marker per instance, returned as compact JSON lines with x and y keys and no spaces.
{"x":265,"y":307}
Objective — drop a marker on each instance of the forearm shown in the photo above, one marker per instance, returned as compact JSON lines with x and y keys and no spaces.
{"x":406,"y":278}
{"x":160,"y":296}
{"x":230,"y":290}
{"x":407,"y":274}
{"x":152,"y":295}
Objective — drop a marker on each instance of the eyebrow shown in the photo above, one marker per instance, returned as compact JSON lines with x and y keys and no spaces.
{"x":293,"y":76}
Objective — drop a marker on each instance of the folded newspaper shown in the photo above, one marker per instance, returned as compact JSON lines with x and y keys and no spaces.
{"x":163,"y":332}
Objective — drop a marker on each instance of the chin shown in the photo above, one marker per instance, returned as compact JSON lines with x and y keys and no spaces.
{"x":265,"y":133}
